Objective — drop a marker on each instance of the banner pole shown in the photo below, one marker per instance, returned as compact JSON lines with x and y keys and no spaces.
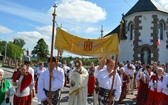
{"x":111,"y":97}
{"x":52,"y":43}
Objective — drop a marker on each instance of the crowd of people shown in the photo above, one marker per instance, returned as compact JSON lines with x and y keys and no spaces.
{"x":108,"y":82}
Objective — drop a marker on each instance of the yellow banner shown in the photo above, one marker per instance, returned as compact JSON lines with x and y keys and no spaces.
{"x":87,"y":47}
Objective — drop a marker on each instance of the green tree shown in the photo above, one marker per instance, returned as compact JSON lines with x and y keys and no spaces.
{"x":2,"y":47}
{"x":41,"y":50}
{"x":14,"y":51}
{"x":19,"y":42}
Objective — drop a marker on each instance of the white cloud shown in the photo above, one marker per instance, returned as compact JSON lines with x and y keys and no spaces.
{"x":25,"y":12}
{"x":80,"y":11}
{"x":4,"y":29}
{"x":164,"y":3}
{"x":90,"y":29}
{"x":31,"y":38}
{"x":45,"y":30}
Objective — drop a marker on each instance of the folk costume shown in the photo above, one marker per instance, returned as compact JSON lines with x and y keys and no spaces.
{"x":141,"y":98}
{"x":78,"y":87}
{"x":125,"y":80}
{"x":155,"y":91}
{"x":91,"y":81}
{"x":56,"y":86}
{"x":23,"y":89}
{"x":165,"y":90}
{"x":105,"y":83}
{"x":31,"y":71}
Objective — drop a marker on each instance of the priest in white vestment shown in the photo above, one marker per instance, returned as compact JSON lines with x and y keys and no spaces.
{"x":78,"y":85}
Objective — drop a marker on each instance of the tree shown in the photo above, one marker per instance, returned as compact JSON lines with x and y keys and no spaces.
{"x":41,"y":50}
{"x":19,"y":42}
{"x":2,"y":47}
{"x":14,"y":51}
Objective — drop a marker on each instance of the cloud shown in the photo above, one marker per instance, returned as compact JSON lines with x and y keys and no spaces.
{"x":31,"y":38}
{"x":90,"y":29}
{"x":80,"y":11}
{"x":25,"y":12}
{"x":45,"y":30}
{"x":5,"y":30}
{"x":163,"y":3}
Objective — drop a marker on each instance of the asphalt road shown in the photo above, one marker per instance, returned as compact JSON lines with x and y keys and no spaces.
{"x":130,"y":99}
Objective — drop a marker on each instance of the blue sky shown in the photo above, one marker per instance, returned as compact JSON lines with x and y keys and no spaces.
{"x":32,"y":19}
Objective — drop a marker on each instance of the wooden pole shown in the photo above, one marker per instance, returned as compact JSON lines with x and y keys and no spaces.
{"x":111,"y":97}
{"x":52,"y":43}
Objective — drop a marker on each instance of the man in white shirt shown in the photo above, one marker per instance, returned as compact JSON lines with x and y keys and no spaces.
{"x":101,"y":66}
{"x":105,"y":80}
{"x":57,"y":83}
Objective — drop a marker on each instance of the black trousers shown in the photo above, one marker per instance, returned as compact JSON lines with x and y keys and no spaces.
{"x":55,"y":97}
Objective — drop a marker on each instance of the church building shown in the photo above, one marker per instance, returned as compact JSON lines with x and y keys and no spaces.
{"x":145,"y":33}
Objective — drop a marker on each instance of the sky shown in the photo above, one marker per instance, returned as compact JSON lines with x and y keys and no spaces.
{"x":31,"y":20}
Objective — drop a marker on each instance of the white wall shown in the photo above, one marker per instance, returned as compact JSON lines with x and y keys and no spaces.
{"x":126,"y":52}
{"x":163,"y":51}
{"x":146,"y":21}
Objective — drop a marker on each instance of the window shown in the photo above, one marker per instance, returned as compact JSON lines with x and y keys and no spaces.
{"x":131,"y":31}
{"x":161,"y":30}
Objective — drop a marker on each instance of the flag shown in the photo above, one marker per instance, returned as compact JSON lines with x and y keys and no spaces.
{"x":87,"y":47}
{"x":158,"y":42}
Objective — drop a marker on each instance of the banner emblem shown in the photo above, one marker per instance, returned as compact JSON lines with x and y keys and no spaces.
{"x":88,"y":45}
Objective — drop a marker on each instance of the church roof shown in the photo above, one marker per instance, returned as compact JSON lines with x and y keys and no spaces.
{"x":146,"y":5}
{"x":116,"y":30}
{"x":140,"y":6}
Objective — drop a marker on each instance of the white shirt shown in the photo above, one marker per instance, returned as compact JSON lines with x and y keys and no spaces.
{"x":43,"y":82}
{"x":40,"y":71}
{"x":25,"y":92}
{"x":156,"y":84}
{"x":31,"y":71}
{"x":130,"y":71}
{"x":96,"y":72}
{"x":138,"y":75}
{"x":66,"y":68}
{"x":105,"y":82}
{"x":164,"y":84}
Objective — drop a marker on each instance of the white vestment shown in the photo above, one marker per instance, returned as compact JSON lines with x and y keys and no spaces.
{"x":78,"y":87}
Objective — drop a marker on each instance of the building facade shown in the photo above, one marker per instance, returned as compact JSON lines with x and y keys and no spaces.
{"x":145,"y":33}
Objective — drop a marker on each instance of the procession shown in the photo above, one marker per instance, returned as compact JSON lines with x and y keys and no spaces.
{"x":109,"y":68}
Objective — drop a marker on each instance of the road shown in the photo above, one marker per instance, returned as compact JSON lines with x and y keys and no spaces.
{"x":130,"y":99}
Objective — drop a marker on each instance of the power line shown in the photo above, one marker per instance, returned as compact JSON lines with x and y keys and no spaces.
{"x":127,"y":3}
